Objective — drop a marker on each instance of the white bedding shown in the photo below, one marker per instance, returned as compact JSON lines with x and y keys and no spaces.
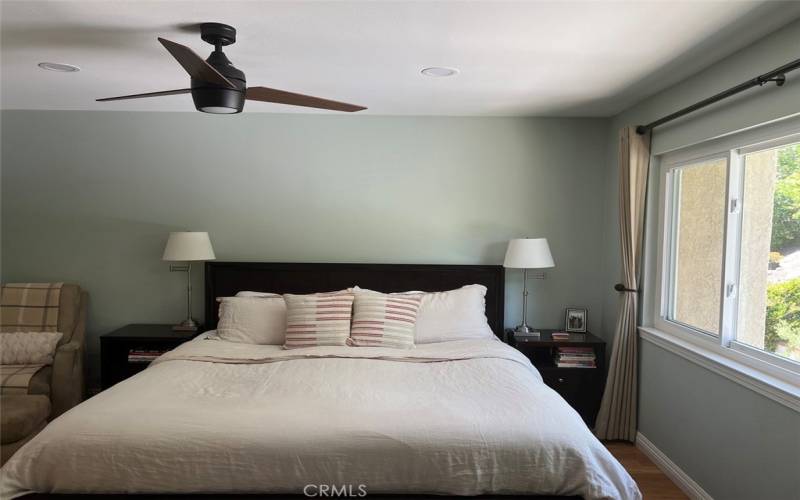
{"x":466,"y":417}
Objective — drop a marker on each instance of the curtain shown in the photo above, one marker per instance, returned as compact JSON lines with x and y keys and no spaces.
{"x":618,"y":410}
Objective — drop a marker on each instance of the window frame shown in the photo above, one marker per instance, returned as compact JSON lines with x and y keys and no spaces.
{"x":670,"y":211}
{"x":733,"y":148}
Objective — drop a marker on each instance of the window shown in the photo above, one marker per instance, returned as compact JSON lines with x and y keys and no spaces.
{"x":769,"y":269}
{"x":729,"y":272}
{"x":698,"y":230}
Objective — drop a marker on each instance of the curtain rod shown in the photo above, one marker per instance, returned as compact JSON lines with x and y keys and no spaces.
{"x":777,"y":75}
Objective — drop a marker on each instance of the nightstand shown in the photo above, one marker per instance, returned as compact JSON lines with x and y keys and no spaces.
{"x":138,"y":343}
{"x":582,"y":388}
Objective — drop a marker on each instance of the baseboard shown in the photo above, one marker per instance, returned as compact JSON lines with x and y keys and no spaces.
{"x":672,"y":471}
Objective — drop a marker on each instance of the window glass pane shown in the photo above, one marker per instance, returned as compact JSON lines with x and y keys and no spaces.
{"x":698,"y":214}
{"x":769,"y":272}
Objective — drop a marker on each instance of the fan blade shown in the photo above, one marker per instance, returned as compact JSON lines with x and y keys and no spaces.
{"x":194,"y":64}
{"x":267,"y":94}
{"x":149,"y":94}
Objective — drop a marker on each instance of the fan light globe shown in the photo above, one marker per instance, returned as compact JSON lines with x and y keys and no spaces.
{"x":218,"y":110}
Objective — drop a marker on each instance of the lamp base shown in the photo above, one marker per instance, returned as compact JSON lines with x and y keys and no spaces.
{"x":525,"y":330}
{"x":187,"y":325}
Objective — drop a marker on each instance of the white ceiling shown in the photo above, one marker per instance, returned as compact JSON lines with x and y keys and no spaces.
{"x":591,"y":58}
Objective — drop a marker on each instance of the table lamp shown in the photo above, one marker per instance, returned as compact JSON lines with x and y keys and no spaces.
{"x":527,"y":253}
{"x":187,"y":246}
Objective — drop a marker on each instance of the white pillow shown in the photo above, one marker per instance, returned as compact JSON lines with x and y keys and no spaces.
{"x":252,"y":320}
{"x":28,"y":348}
{"x":256,"y":294}
{"x":458,"y":314}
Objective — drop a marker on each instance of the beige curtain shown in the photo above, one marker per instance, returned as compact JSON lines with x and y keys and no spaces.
{"x":618,"y":411}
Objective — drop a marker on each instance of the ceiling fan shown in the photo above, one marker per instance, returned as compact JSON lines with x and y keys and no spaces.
{"x":217,"y":86}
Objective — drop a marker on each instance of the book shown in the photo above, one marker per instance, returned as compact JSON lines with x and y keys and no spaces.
{"x":575,"y":358}
{"x":577,"y":354}
{"x":576,"y":364}
{"x":576,"y":350}
{"x":143,"y":356}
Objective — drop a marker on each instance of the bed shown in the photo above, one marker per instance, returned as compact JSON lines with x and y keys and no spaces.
{"x":461,"y":418}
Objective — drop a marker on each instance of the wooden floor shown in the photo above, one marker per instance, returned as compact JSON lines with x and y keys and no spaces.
{"x":652,"y":482}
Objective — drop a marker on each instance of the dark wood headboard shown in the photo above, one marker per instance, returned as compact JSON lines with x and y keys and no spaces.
{"x":224,"y":279}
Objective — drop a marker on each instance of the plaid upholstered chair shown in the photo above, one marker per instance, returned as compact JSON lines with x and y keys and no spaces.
{"x":34,"y":394}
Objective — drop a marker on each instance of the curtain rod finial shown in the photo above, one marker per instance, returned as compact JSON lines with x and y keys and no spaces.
{"x":641,"y":130}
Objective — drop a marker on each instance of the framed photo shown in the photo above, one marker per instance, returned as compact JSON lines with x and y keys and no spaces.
{"x":575,"y":320}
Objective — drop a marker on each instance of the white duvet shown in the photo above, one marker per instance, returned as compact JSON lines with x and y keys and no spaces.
{"x":466,"y":418}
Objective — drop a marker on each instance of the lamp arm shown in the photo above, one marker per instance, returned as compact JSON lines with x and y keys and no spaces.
{"x":188,"y":324}
{"x":523,"y":328}
{"x":525,"y":298}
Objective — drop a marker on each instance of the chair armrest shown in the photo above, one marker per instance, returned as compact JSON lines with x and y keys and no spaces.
{"x":70,"y":347}
{"x":66,"y":386}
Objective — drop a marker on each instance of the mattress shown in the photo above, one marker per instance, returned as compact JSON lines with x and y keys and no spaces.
{"x":462,"y":418}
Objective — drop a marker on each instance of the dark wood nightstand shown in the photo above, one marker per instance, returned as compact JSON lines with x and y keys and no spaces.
{"x":116,"y":346}
{"x":582,"y":388}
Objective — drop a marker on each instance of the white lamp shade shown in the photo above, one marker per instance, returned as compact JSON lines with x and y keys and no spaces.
{"x":188,"y":245}
{"x":528,"y":253}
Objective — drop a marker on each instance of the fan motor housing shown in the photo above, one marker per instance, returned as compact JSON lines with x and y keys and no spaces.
{"x":218,"y":100}
{"x":210,"y":98}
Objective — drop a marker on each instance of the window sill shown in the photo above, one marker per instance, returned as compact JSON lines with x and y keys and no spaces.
{"x":771,"y":387}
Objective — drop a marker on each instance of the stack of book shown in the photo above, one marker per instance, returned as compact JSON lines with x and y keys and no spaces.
{"x":142,"y":356}
{"x":575,"y":357}
{"x":560,"y":335}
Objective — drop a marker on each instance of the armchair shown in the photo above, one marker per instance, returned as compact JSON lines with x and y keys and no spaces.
{"x":53,"y":389}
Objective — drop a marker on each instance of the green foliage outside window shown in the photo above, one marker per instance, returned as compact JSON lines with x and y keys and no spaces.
{"x":786,"y":212}
{"x":783,"y":318}
{"x":782,"y":332}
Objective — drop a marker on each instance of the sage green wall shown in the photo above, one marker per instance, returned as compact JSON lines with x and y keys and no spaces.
{"x":89,"y":197}
{"x":734,"y":442}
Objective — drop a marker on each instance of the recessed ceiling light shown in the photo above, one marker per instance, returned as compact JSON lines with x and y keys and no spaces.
{"x":63,"y":68}
{"x":439,"y":71}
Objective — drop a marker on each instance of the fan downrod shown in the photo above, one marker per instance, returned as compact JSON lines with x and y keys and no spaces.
{"x":218,"y":34}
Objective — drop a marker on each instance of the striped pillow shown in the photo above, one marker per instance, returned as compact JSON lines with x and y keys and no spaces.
{"x":318,"y":319}
{"x":384,"y":320}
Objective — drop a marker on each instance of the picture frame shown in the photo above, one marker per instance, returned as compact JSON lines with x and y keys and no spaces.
{"x":575,"y":319}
